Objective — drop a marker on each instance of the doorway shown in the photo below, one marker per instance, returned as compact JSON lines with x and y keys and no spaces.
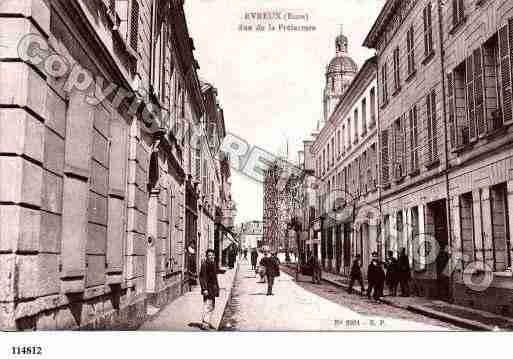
{"x":437,"y":215}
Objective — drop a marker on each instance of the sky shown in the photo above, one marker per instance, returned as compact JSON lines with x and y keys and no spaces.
{"x":270,"y":83}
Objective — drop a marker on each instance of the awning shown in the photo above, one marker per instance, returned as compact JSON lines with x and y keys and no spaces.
{"x":228,"y":240}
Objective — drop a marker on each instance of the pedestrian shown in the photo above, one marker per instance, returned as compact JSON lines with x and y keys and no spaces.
{"x":316,"y":269}
{"x":209,"y":288}
{"x":356,"y":275}
{"x":403,"y":269}
{"x":245,"y":254}
{"x":262,"y":269}
{"x":375,"y":278}
{"x":254,"y":257}
{"x":392,"y":273}
{"x":232,"y":256}
{"x":272,"y":270}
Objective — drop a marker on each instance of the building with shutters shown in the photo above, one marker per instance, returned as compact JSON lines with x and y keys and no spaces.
{"x":98,"y":200}
{"x":343,"y":157}
{"x":445,"y":147}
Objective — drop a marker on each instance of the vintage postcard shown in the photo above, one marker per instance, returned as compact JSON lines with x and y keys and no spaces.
{"x":255,"y":166}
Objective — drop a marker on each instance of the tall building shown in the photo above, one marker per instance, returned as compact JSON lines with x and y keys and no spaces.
{"x":444,"y":84}
{"x":98,"y":204}
{"x":339,"y":73}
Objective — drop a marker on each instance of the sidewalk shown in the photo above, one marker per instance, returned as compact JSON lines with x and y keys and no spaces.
{"x":464,"y":317}
{"x":184,"y":313}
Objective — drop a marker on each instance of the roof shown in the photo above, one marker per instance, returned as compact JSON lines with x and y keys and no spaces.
{"x":381,"y":21}
{"x":342,"y":63}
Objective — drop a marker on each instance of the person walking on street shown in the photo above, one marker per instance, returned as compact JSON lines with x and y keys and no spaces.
{"x":375,"y":277}
{"x":392,"y":273}
{"x":356,"y":274}
{"x":262,"y":269}
{"x":403,"y":268}
{"x":209,"y":288}
{"x":272,"y":270}
{"x":245,"y":252}
{"x":316,"y":269}
{"x":254,"y":257}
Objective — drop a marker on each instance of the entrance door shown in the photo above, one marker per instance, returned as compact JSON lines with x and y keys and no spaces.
{"x":439,"y":215}
{"x":151,"y":253}
{"x":338,"y":247}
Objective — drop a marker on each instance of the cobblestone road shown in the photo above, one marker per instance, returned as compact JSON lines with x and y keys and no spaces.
{"x":306,"y":306}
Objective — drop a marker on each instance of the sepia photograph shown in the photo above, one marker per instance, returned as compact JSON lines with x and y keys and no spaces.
{"x":176,"y":167}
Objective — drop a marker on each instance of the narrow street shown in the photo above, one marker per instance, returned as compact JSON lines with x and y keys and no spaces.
{"x":305,"y":306}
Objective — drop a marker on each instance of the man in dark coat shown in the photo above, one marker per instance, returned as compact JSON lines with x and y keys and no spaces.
{"x":272,"y":269}
{"x":254,"y":257}
{"x":392,"y":273}
{"x":375,"y":277}
{"x":403,"y":269}
{"x":356,"y":274}
{"x":313,"y":262}
{"x":209,"y":288}
{"x":232,"y":256}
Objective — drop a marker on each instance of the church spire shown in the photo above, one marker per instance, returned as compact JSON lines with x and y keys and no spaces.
{"x":341,"y":42}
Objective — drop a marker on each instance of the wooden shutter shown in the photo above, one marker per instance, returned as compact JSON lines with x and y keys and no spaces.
{"x":414,"y":160}
{"x":426,"y":36}
{"x":434,"y":126}
{"x":505,"y":63}
{"x":430,"y":28}
{"x":451,"y":109}
{"x":134,"y":25}
{"x":404,"y":154}
{"x":478,"y":93}
{"x":384,"y":157}
{"x":429,"y":150}
{"x":454,"y":12}
{"x":470,"y":98}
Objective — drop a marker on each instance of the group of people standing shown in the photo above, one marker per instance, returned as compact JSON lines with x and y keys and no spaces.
{"x":397,"y":274}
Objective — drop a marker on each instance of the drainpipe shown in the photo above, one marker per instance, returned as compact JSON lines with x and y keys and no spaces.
{"x":446,"y":142}
{"x":378,"y":152}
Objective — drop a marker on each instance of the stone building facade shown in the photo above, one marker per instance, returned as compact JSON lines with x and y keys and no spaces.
{"x":96,"y":104}
{"x":344,"y":159}
{"x":445,"y":97}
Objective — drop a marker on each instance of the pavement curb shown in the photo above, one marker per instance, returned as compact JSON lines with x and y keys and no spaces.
{"x":461,"y":322}
{"x":224,"y":304}
{"x":458,"y":321}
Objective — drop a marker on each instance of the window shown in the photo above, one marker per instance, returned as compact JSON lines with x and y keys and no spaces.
{"x":397,"y":77}
{"x":414,"y":139}
{"x":491,"y":84}
{"x":323,"y":161}
{"x":500,"y":230}
{"x":338,"y":143}
{"x":432,"y":142}
{"x":205,"y":177}
{"x":457,"y":117}
{"x":372,"y":107}
{"x":410,"y":49}
{"x":467,"y":233}
{"x":356,"y":126}
{"x":333,"y":151}
{"x":428,"y":31}
{"x":343,"y":139}
{"x":399,"y":148}
{"x":328,"y":153}
{"x":384,"y":84}
{"x":364,"y":116}
{"x":458,"y":12}
{"x":349,"y":133}
{"x":159,"y":58}
{"x":197,"y":158}
{"x":385,"y":176}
